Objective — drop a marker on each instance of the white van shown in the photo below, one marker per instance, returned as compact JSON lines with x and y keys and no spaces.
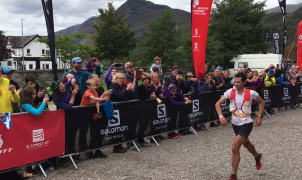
{"x":256,"y":62}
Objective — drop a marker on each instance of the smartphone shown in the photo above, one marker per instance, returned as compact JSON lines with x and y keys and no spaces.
{"x":93,"y":60}
{"x":139,"y":74}
{"x":277,"y":65}
{"x":46,"y":95}
{"x":118,"y":65}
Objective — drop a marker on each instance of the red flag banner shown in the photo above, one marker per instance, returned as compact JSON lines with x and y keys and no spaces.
{"x":200,"y":11}
{"x":32,"y":138}
{"x":299,"y":44}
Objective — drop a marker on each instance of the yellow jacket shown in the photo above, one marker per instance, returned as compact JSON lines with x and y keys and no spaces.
{"x":6,"y":97}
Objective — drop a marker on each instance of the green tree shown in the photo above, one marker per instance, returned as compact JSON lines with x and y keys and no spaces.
{"x":238,"y":25}
{"x":163,"y":39}
{"x":67,"y":48}
{"x":114,"y":39}
{"x":5,"y":53}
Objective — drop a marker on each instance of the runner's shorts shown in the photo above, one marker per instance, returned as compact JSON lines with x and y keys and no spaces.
{"x":243,"y":130}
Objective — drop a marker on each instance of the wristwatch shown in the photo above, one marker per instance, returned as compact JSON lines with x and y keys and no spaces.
{"x":260,"y":116}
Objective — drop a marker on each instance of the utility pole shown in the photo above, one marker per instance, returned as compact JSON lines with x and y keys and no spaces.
{"x":22,"y":46}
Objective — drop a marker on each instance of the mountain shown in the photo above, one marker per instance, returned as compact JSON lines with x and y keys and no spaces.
{"x":140,"y":13}
{"x":290,"y":8}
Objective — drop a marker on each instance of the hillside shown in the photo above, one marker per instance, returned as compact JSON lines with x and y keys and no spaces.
{"x":290,"y":8}
{"x":141,"y":12}
{"x":274,"y":20}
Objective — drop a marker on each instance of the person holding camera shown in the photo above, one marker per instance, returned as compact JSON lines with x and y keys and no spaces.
{"x":217,"y":79}
{"x":246,"y":69}
{"x":175,"y":78}
{"x":110,"y":73}
{"x":269,"y":79}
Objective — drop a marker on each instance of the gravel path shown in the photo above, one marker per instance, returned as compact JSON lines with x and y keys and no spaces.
{"x":206,"y":156}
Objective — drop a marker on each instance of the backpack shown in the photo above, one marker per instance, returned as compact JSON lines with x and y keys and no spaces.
{"x":246,"y":106}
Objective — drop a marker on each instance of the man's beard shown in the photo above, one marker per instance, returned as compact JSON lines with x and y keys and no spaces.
{"x":130,"y":73}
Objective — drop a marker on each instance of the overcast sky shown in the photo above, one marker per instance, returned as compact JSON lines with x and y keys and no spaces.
{"x":68,"y":13}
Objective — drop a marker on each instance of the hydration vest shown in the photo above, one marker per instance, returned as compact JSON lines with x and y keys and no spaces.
{"x":246,"y":108}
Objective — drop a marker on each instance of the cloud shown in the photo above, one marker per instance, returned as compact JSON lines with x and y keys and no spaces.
{"x":68,"y":13}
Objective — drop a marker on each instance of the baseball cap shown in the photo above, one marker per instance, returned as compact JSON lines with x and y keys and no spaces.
{"x":55,"y":85}
{"x":128,"y":64}
{"x":76,"y":60}
{"x":219,"y":68}
{"x":271,"y":71}
{"x":6,"y":70}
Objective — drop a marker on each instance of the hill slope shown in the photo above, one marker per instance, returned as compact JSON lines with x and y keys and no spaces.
{"x":141,"y":12}
{"x":290,"y":8}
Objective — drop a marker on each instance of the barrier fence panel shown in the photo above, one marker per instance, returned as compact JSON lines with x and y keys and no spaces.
{"x":31,"y":139}
{"x":299,"y":92}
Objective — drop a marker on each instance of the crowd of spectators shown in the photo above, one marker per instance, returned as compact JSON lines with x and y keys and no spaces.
{"x":79,"y":88}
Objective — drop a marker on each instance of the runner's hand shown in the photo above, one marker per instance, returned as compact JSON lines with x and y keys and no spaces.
{"x":223,"y":121}
{"x":258,"y":121}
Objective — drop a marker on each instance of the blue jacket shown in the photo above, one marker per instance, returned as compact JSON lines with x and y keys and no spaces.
{"x":282,"y":80}
{"x":81,"y":77}
{"x":187,"y":88}
{"x":30,"y":109}
{"x":63,"y":102}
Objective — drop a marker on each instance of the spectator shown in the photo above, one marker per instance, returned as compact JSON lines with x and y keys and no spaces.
{"x":99,"y":69}
{"x":90,"y":66}
{"x":8,"y":95}
{"x":131,"y":77}
{"x":220,"y":71}
{"x":63,"y":98}
{"x":208,"y":84}
{"x":270,"y":67}
{"x":188,"y":83}
{"x":285,"y":79}
{"x":99,"y":89}
{"x":27,"y":101}
{"x":217,"y":79}
{"x":269,"y":79}
{"x":170,"y":91}
{"x":121,"y":92}
{"x":90,"y":97}
{"x":258,"y":79}
{"x":176,"y":79}
{"x":156,"y":70}
{"x":250,"y":79}
{"x":246,"y":69}
{"x":80,"y":76}
{"x":144,"y":90}
{"x":109,"y":75}
{"x":157,"y":64}
{"x":7,"y":73}
{"x":144,"y":93}
{"x":30,"y":80}
{"x":156,"y":85}
{"x":67,"y":78}
{"x":226,"y":80}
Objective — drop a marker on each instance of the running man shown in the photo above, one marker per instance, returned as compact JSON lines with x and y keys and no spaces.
{"x":240,"y":106}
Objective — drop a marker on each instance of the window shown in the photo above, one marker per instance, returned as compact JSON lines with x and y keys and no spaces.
{"x":28,"y":51}
{"x":43,"y":51}
{"x":9,"y":63}
{"x":31,"y":66}
{"x":230,"y":65}
{"x":47,"y":66}
{"x":240,"y":65}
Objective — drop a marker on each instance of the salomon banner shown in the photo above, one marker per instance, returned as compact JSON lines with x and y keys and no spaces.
{"x":200,"y":12}
{"x":157,"y":114}
{"x":299,"y":45}
{"x":265,"y":94}
{"x":281,"y":96}
{"x":282,"y":4}
{"x":299,"y":91}
{"x":276,"y":40}
{"x":31,"y":139}
{"x":48,"y":13}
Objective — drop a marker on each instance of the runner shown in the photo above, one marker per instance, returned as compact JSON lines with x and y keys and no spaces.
{"x":240,"y":105}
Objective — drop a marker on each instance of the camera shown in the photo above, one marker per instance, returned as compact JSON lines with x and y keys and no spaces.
{"x":211,"y":83}
{"x":93,"y":60}
{"x":117,"y":65}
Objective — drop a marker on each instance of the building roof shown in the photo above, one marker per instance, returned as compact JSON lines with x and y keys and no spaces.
{"x":16,"y":41}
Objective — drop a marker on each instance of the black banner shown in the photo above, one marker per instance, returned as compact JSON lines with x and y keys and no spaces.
{"x":276,"y":40}
{"x":48,"y":13}
{"x":137,"y":119}
{"x":282,"y":4}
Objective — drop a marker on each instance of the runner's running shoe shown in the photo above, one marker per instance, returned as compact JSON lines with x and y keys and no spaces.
{"x":233,"y":177}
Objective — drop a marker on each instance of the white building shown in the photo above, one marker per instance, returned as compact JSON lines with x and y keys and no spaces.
{"x":33,"y":51}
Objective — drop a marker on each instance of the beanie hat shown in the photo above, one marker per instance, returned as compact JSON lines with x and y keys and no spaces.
{"x":55,"y":85}
{"x":175,"y":68}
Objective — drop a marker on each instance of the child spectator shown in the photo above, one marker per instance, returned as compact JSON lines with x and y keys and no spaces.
{"x":90,"y":97}
{"x":27,"y":101}
{"x":158,"y":65}
{"x":156,"y":85}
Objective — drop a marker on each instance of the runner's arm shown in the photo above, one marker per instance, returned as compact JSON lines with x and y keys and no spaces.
{"x":261,"y":105}
{"x":218,"y":107}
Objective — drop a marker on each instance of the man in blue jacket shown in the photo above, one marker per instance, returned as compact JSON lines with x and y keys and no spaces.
{"x":80,"y":76}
